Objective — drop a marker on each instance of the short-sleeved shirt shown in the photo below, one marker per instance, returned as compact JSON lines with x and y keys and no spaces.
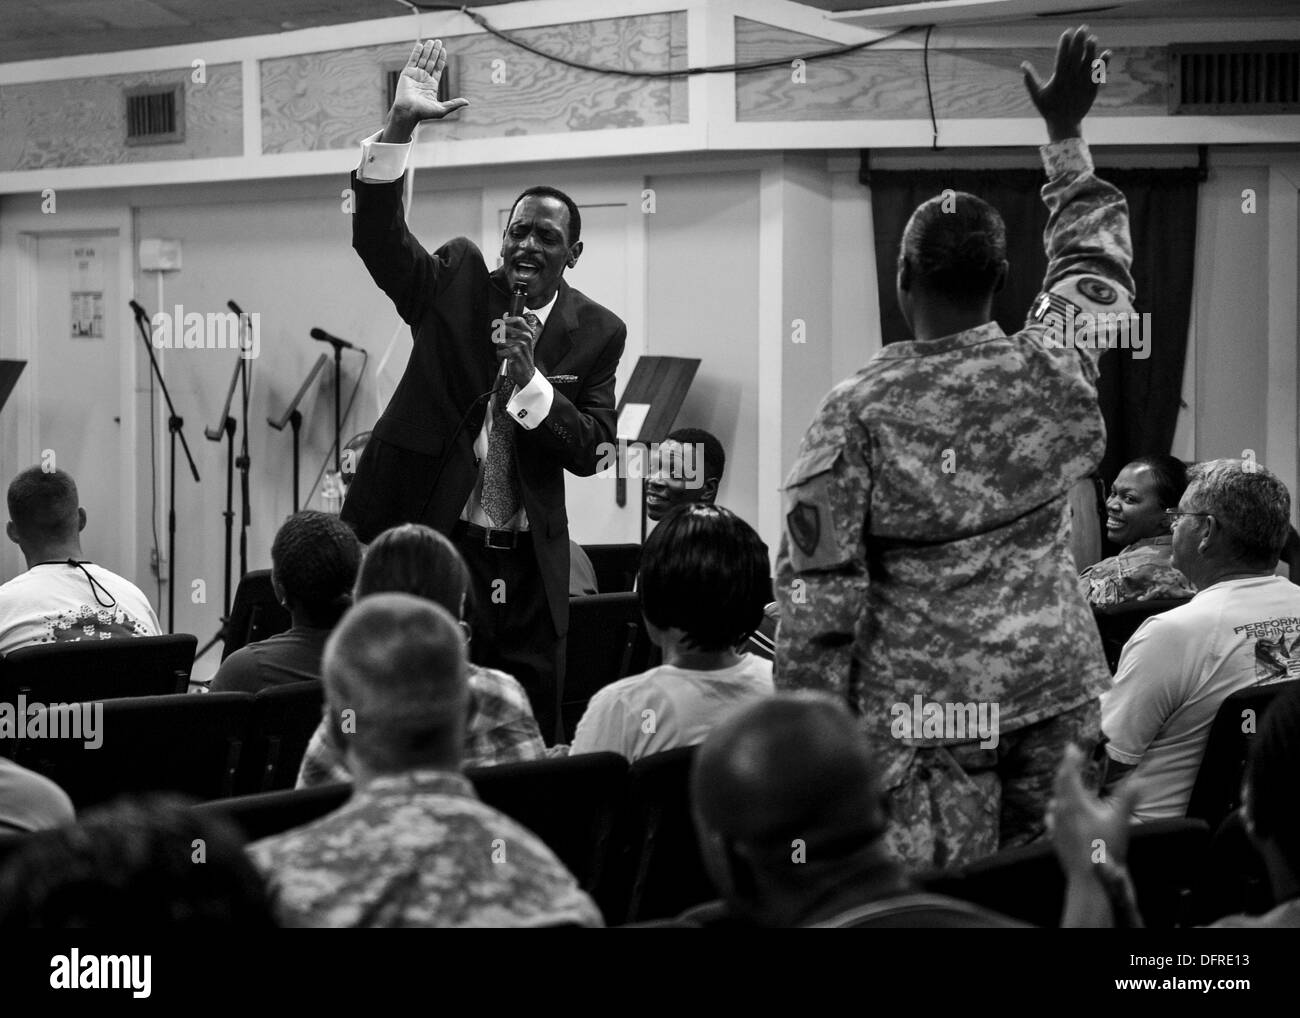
{"x":54,"y":602}
{"x":292,"y":656}
{"x":30,"y":801}
{"x":420,"y":849}
{"x":1143,"y":571}
{"x":668,"y":707}
{"x":1177,"y":670}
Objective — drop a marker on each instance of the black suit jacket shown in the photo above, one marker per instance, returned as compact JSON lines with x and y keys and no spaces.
{"x":450,"y":300}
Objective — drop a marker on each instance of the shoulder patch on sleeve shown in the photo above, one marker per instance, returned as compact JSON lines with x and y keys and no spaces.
{"x":812,"y":504}
{"x":1097,"y":290}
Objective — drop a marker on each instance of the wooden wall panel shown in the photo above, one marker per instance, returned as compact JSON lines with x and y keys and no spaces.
{"x":876,"y":84}
{"x":332,"y":100}
{"x":82,"y":121}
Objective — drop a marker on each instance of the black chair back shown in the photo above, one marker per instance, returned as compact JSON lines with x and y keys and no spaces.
{"x":261,"y":816}
{"x":1117,"y":622}
{"x":663,"y":872}
{"x":571,"y":803}
{"x":98,"y":669}
{"x":607,"y":641}
{"x":1217,"y":791}
{"x":255,"y":613}
{"x":284,"y":719}
{"x":615,"y":565}
{"x":1164,"y":859}
{"x":185,"y":743}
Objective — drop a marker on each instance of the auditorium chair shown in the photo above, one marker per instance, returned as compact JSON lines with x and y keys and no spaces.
{"x":1217,"y":791}
{"x":615,"y":565}
{"x":1165,"y":860}
{"x":85,"y":670}
{"x":571,"y":802}
{"x":255,"y":614}
{"x":267,"y":813}
{"x":283,"y":720}
{"x":660,"y":870}
{"x":607,"y":641}
{"x":185,"y":743}
{"x":1233,"y":878}
{"x":1117,"y":622}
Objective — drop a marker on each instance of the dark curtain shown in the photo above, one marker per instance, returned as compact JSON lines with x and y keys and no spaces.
{"x":1139,"y":398}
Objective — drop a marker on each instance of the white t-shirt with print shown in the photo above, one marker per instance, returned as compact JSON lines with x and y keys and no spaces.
{"x":1180,"y":666}
{"x":54,"y":602}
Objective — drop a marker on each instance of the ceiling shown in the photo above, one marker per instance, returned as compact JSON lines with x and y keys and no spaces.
{"x":40,"y":29}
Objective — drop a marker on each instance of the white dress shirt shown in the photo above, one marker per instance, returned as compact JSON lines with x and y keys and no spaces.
{"x":383,"y":163}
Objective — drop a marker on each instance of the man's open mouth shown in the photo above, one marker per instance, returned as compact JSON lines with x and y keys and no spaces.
{"x":525,"y":269}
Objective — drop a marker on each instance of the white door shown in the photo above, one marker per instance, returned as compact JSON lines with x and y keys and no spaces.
{"x":76,"y":377}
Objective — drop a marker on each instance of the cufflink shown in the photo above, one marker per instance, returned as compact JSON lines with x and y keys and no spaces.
{"x":523,"y":414}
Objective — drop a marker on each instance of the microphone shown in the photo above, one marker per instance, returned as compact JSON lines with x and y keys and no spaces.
{"x":235,"y":308}
{"x":139,"y":311}
{"x":325,"y":337}
{"x":518,"y":294}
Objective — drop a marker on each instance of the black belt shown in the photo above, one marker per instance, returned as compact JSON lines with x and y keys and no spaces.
{"x":500,"y":540}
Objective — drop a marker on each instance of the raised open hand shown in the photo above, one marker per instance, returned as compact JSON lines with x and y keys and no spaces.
{"x":1084,"y":828}
{"x":416,"y":98}
{"x":1069,"y":94}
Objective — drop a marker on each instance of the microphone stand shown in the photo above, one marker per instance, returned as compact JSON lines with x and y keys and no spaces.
{"x":226,"y":426}
{"x":293,"y":417}
{"x":174,"y":426}
{"x":243,"y":462}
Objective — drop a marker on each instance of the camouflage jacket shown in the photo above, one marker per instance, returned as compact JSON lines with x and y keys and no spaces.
{"x":926,"y":533}
{"x":1143,"y":571}
{"x":419,"y":849}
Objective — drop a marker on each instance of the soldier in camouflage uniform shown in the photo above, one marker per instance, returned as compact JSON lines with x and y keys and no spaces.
{"x":926,"y":553}
{"x":414,"y":846}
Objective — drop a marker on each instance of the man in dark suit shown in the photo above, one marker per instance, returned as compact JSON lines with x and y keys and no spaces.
{"x":492,"y":408}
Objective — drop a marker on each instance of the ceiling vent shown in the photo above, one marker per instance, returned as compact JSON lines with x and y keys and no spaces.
{"x":1235,"y":78}
{"x":155,"y":114}
{"x":445,"y":84}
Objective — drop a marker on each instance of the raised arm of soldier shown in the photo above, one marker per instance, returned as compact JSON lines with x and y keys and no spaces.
{"x":1087,"y":235}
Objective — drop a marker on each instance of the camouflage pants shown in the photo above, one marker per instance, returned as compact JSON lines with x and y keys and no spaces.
{"x":951,"y":805}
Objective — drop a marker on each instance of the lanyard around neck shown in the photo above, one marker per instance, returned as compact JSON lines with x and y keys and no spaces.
{"x":95,"y":585}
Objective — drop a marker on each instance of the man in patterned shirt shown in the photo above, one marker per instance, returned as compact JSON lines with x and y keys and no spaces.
{"x":925,"y":572}
{"x":414,"y":846}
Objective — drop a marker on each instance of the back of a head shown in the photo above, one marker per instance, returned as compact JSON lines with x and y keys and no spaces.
{"x":415,"y":559}
{"x":1168,"y":473}
{"x":43,"y":505}
{"x":955,"y":244}
{"x":149,"y":863}
{"x":1250,"y":504}
{"x":398,"y":663}
{"x":706,"y":449}
{"x":315,"y":557}
{"x":704,"y":570}
{"x":789,"y":772}
{"x":1273,"y":777}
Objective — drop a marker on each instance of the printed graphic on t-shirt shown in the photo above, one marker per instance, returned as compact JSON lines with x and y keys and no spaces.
{"x":1277,"y":648}
{"x":90,"y":622}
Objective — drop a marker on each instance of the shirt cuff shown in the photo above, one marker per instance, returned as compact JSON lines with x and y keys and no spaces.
{"x":381,"y":162}
{"x":1069,"y":155}
{"x":530,"y":405}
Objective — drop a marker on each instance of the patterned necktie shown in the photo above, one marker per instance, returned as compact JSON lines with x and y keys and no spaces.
{"x":501,"y":493}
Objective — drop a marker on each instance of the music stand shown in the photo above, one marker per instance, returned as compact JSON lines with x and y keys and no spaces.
{"x":226,"y":425}
{"x":9,"y":372}
{"x":294,"y":417}
{"x":661,"y":383}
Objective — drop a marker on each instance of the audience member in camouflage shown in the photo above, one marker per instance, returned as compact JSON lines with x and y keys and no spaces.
{"x":413,"y":846}
{"x":926,"y":554}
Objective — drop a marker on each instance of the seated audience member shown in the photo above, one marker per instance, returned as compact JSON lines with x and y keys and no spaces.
{"x":1102,"y":895}
{"x":30,"y":801}
{"x":703,"y":581}
{"x":415,"y":559}
{"x":1238,"y":630}
{"x":1136,"y":520}
{"x":414,"y":846}
{"x":62,"y":597}
{"x":582,"y":574}
{"x":791,"y":824}
{"x":134,"y":864}
{"x":689,"y":469}
{"x":314,"y":560}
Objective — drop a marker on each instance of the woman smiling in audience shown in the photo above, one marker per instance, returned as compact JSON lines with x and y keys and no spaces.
{"x":1135,"y":520}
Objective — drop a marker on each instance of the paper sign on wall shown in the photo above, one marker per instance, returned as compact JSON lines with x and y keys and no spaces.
{"x":87,"y":278}
{"x":631,"y":420}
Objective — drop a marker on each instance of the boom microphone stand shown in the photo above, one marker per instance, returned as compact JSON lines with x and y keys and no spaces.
{"x":226,"y":426}
{"x":293,"y":417}
{"x":174,"y":426}
{"x":243,"y":462}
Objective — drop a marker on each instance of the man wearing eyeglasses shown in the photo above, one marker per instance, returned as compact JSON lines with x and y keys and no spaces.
{"x":1242,"y":627}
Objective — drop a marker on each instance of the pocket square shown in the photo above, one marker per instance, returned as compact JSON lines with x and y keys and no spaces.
{"x":561,"y":379}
